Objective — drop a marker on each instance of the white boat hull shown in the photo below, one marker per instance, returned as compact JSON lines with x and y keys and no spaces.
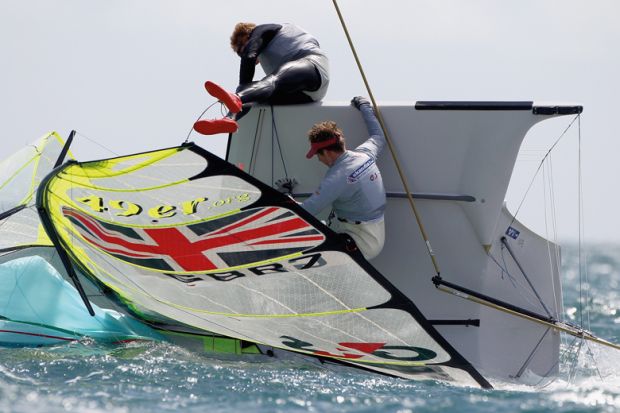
{"x":462,"y":156}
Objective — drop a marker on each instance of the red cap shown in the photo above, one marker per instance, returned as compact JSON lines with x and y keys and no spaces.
{"x":317,"y":146}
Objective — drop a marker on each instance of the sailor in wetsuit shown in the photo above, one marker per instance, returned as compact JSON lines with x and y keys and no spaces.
{"x":352,"y":185}
{"x":297,"y":71}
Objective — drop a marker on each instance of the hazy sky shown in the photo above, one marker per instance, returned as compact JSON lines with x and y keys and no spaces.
{"x":129,"y":74}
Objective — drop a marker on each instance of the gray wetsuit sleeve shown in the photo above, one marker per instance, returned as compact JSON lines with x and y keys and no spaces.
{"x":329,"y":190}
{"x":375,"y":144}
{"x":259,"y":39}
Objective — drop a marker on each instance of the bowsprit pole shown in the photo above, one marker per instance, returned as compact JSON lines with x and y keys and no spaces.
{"x":516,"y":311}
{"x":389,"y":142}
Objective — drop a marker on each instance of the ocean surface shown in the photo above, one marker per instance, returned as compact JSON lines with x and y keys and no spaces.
{"x":159,"y":377}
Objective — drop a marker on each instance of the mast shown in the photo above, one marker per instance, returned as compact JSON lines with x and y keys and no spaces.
{"x":388,"y":139}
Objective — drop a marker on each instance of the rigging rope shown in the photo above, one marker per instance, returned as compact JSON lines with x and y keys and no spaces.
{"x":197,"y":119}
{"x":583,"y":265}
{"x":274,"y":132}
{"x":389,"y":142}
{"x":563,"y":358}
{"x":96,"y":143}
{"x":579,"y":233}
{"x":259,"y":129}
{"x":514,"y":258}
{"x":540,"y":166}
{"x":552,"y":246}
{"x":519,"y":287}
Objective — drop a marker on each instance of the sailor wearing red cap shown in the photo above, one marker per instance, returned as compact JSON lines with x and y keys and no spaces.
{"x":352,"y":185}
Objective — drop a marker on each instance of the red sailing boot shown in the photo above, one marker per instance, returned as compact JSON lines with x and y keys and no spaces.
{"x":215,"y":126}
{"x":231,"y":100}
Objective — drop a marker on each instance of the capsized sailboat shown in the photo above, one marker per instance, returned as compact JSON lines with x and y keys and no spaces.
{"x":179,"y":234}
{"x":189,"y":243}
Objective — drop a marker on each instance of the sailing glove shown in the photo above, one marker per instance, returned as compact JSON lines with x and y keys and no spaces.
{"x":286,"y":185}
{"x":358,"y":101}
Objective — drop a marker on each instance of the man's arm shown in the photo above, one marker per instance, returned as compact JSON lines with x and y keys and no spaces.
{"x":259,"y":39}
{"x":329,"y":190}
{"x":375,"y":144}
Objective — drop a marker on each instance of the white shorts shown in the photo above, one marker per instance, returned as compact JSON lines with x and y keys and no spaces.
{"x":368,"y":236}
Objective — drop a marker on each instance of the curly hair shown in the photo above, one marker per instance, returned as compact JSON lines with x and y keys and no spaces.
{"x":326,"y":130}
{"x":240,"y":35}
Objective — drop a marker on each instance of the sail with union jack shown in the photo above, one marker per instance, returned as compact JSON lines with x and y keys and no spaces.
{"x":182,"y":235}
{"x":241,"y":239}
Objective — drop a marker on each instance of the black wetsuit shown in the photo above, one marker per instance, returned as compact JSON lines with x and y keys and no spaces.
{"x":282,"y":51}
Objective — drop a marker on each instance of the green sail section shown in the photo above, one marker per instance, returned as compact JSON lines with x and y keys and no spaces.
{"x":181,"y":234}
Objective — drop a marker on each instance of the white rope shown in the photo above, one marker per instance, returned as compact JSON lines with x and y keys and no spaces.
{"x":539,"y":167}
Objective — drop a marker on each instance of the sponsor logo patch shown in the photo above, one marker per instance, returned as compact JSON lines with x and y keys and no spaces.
{"x":355,"y":175}
{"x":512,"y":233}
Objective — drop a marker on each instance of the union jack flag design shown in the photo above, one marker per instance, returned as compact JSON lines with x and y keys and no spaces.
{"x":241,"y":239}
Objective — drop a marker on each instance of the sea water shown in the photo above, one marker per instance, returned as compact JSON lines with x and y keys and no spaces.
{"x":159,"y":377}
